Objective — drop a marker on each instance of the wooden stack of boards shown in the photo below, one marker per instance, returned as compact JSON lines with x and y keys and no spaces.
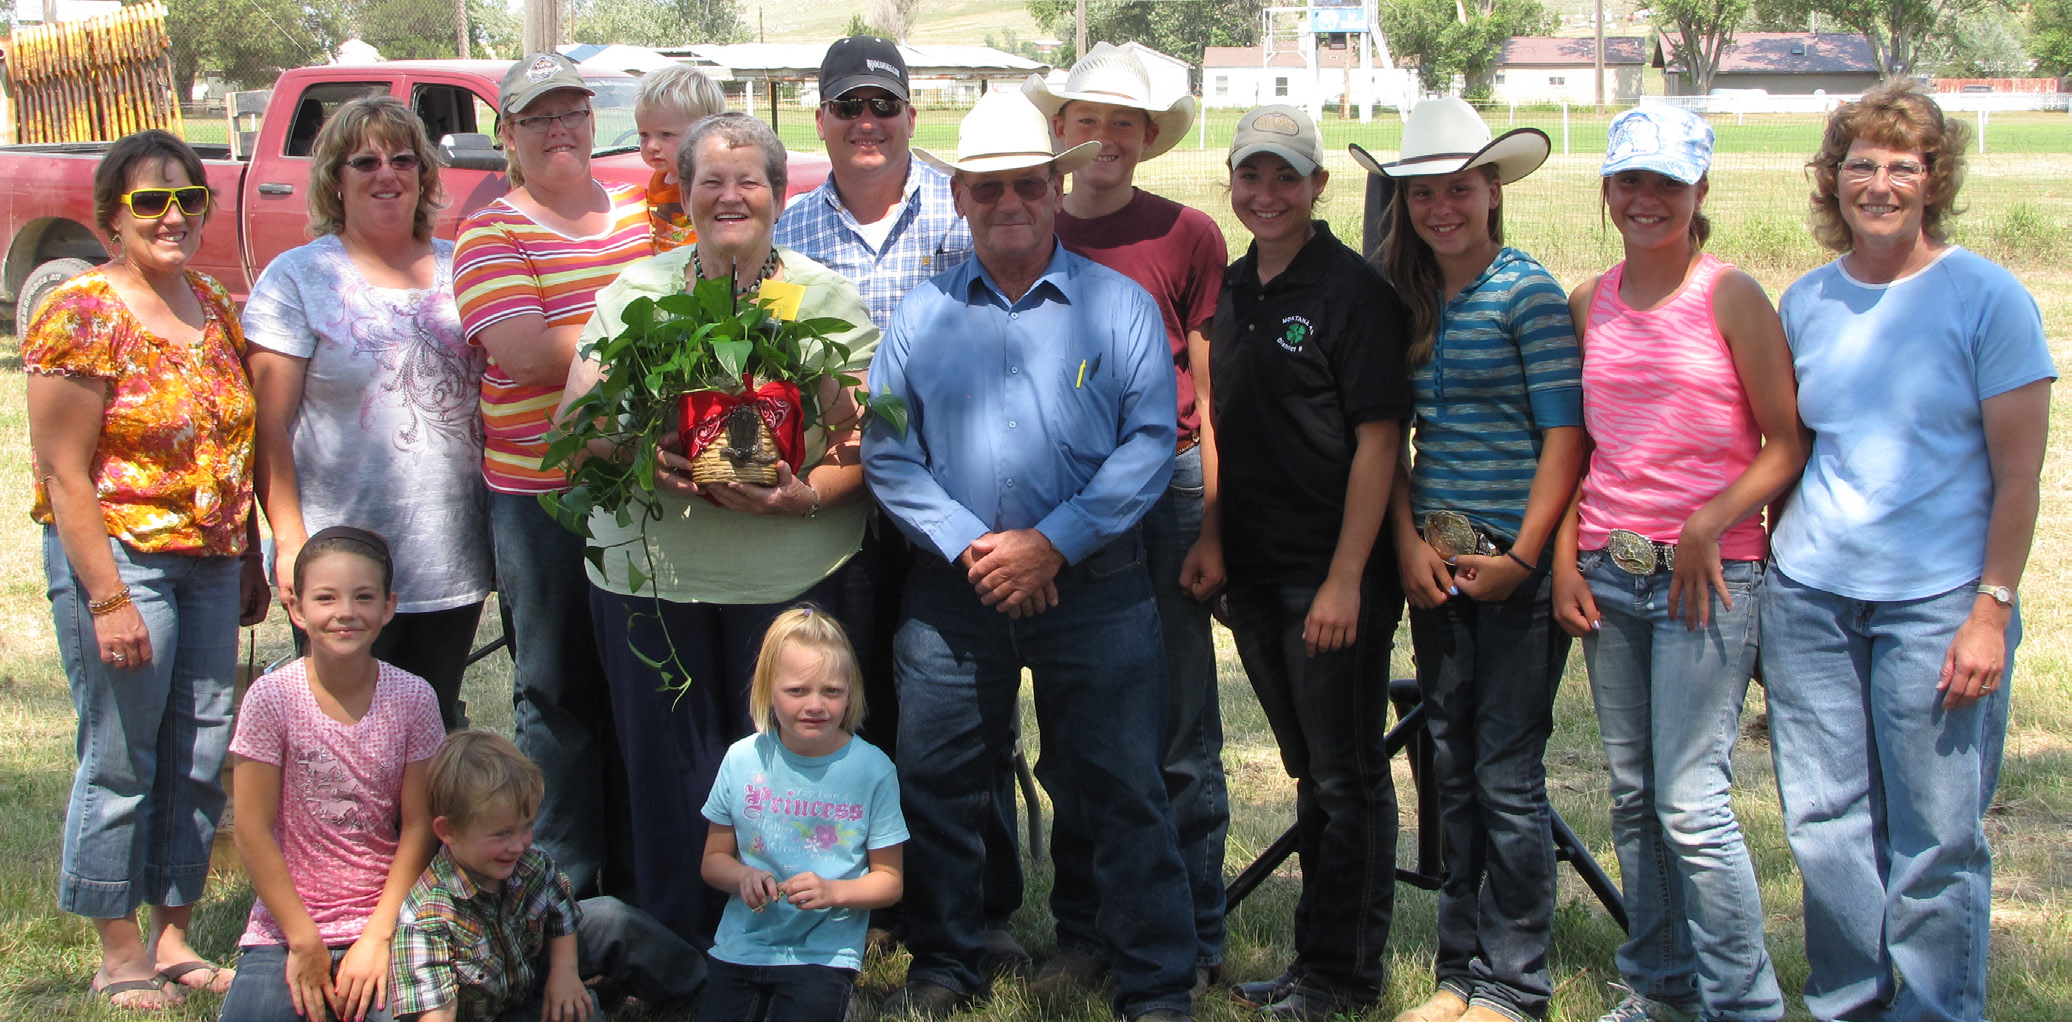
{"x":93,"y":80}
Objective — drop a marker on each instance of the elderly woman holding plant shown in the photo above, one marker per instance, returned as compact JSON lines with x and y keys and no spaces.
{"x":367,"y":389}
{"x":1891,"y":623}
{"x":683,"y":592}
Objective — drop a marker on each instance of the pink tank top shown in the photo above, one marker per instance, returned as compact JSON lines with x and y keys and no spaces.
{"x":1665,"y":408}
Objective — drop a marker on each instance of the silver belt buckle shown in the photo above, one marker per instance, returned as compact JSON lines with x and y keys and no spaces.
{"x":1636,"y":554}
{"x":1452,"y":534}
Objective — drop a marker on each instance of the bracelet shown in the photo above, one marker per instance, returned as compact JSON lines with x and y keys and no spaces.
{"x":814,"y":512}
{"x":1522,"y":562}
{"x":103,"y":608}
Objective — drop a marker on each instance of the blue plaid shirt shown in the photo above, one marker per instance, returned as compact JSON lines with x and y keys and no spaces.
{"x":927,"y":238}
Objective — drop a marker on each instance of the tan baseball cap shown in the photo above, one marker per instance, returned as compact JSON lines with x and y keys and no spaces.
{"x":1282,"y":130}
{"x":535,"y":75}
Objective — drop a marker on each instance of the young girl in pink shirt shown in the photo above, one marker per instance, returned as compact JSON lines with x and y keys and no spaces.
{"x":331,"y":796}
{"x":1689,"y":408}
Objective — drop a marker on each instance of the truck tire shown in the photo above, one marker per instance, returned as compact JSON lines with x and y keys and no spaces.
{"x":42,"y":280}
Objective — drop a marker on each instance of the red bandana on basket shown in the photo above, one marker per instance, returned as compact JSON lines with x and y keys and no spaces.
{"x":730,"y":421}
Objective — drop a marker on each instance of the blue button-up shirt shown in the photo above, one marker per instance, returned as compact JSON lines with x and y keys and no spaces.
{"x":927,"y":238}
{"x":1054,"y":412}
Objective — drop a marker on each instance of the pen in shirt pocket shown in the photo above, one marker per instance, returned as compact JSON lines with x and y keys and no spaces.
{"x":1087,"y":370}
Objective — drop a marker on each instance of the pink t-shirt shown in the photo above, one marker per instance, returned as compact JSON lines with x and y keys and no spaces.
{"x":1664,"y":405}
{"x":341,"y":791}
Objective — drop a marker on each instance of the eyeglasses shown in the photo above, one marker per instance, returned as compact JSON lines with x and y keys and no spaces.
{"x":404,"y":163}
{"x":851,"y":109}
{"x":152,"y":203}
{"x":1900,"y":172}
{"x":1031,"y":189}
{"x":543,"y":123}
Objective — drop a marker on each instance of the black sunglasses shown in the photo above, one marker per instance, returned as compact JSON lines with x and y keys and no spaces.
{"x":851,"y":109}
{"x":404,"y":163}
{"x":152,"y":203}
{"x":1031,"y":189}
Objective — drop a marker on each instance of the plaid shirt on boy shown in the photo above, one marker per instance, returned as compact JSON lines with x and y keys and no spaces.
{"x":927,"y":238}
{"x":455,"y":940}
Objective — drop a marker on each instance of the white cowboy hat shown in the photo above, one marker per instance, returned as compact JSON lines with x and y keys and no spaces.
{"x":1113,"y":75}
{"x":1446,"y":135}
{"x":1005,"y":131}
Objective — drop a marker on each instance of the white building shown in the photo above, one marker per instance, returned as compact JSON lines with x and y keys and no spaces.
{"x":1245,"y":77}
{"x":1546,"y":69}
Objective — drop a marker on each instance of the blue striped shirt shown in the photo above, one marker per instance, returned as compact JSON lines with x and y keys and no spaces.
{"x":927,"y":238}
{"x":1506,"y":367}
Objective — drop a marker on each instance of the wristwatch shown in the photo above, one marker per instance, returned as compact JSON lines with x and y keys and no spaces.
{"x":2000,"y":594}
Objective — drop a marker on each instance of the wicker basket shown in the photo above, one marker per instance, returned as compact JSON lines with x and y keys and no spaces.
{"x":746,"y":452}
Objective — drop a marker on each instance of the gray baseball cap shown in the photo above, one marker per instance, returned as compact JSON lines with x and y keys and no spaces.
{"x":535,"y":75}
{"x":1282,"y":130}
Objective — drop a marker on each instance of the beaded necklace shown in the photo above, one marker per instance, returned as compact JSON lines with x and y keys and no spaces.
{"x":769,"y":270}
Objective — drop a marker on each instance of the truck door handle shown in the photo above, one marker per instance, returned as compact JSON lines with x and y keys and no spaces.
{"x":274,"y":189}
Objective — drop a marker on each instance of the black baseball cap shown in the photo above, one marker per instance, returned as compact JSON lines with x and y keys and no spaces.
{"x":862,"y":60}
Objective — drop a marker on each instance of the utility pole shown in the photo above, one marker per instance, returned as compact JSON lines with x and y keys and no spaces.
{"x":542,"y":30}
{"x":1600,"y":56}
{"x":460,"y":28}
{"x":1079,"y":37}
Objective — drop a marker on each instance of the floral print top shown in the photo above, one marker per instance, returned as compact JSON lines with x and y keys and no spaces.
{"x":174,"y":463}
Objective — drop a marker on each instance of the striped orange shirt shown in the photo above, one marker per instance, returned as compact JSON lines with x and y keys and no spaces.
{"x":505,"y":264}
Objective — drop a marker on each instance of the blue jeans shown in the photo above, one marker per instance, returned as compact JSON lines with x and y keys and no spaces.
{"x":1193,"y":759}
{"x":1488,"y":672}
{"x":1669,"y":708}
{"x":1096,"y":664}
{"x":151,"y":739}
{"x":776,"y":993}
{"x":674,"y":742}
{"x":260,"y":991}
{"x":561,"y":713}
{"x":1884,"y":796}
{"x":1330,"y":716}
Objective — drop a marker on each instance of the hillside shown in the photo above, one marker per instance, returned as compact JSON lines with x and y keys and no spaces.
{"x":935,"y":21}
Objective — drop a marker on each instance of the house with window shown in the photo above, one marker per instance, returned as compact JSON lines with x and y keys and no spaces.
{"x":1546,"y":69}
{"x":1245,"y":77}
{"x":1783,"y":64}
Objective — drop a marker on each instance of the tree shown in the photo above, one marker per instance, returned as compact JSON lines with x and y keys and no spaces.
{"x":650,"y":23}
{"x":892,"y":18}
{"x":250,"y":41}
{"x":2050,"y":36}
{"x":1450,"y":39}
{"x":1895,"y":29}
{"x":1698,"y":33}
{"x":1985,"y":45}
{"x":857,"y":26}
{"x":1179,"y":28}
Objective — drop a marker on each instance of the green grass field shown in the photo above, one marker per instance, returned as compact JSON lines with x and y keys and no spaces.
{"x":2019,"y":206}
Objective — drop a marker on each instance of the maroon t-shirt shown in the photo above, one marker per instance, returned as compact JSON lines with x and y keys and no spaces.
{"x":1175,"y":252}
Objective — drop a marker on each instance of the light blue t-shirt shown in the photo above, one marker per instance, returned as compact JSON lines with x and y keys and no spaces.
{"x":1897,"y":490}
{"x":794,"y":814}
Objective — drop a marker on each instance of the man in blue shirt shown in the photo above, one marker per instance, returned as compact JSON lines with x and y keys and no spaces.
{"x":1039,"y":390}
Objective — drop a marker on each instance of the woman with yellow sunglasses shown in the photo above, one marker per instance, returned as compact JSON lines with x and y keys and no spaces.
{"x":140,"y":419}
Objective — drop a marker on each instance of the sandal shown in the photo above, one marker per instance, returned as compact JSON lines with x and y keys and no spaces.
{"x":127,"y":986}
{"x":173,"y":974}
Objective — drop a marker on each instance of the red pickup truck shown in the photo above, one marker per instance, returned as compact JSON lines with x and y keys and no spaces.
{"x":46,"y":191}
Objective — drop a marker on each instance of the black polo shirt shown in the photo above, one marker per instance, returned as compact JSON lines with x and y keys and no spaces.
{"x":1295,"y":367}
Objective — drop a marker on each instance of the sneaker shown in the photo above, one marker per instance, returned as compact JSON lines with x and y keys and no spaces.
{"x":1261,"y":992}
{"x":1163,"y":1015}
{"x":922,"y":999}
{"x":1004,"y":955}
{"x":1635,"y":1008}
{"x":1443,"y":1006}
{"x":1066,"y":977}
{"x":1305,"y":1005}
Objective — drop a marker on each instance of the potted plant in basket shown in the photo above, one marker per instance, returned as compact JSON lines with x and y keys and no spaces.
{"x":731,"y":379}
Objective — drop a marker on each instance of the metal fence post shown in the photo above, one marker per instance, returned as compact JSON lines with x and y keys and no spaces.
{"x":1564,"y":127}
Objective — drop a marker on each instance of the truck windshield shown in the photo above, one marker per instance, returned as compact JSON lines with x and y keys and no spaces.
{"x":613,"y":106}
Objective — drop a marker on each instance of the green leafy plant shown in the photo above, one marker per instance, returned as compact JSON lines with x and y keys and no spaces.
{"x":703,"y":340}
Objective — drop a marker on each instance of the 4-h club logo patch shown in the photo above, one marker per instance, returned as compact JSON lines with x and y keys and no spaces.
{"x":1295,"y":331}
